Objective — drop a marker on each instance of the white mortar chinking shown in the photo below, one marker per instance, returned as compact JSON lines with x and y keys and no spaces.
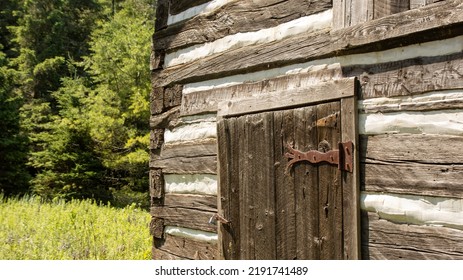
{"x":205,"y":184}
{"x":418,"y":210}
{"x":197,"y":10}
{"x":192,"y":234}
{"x":447,"y":122}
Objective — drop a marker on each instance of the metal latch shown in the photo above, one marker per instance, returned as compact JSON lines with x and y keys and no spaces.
{"x":216,"y":217}
{"x":343,"y":157}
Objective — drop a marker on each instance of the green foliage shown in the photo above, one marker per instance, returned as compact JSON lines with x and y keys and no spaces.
{"x":13,"y":175}
{"x":74,"y":230}
{"x":79,"y":70}
{"x":48,"y":33}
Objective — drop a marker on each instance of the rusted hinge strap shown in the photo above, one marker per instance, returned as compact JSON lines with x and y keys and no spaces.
{"x":216,"y":217}
{"x":343,"y":157}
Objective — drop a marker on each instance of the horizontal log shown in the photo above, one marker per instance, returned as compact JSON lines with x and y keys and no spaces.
{"x":186,"y":165}
{"x":159,"y":254}
{"x":385,"y":240}
{"x":199,"y":202}
{"x":188,"y":249}
{"x":413,"y":164}
{"x":409,"y":76}
{"x":433,"y":22}
{"x":241,"y":17}
{"x":436,"y":61}
{"x":199,"y":102}
{"x":202,"y":147}
{"x":419,"y":148}
{"x":184,"y":217}
{"x":412,"y":178}
{"x":162,"y":120}
{"x":317,"y":93}
{"x":434,"y":100}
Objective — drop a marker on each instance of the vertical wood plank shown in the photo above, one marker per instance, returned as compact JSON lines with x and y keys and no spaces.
{"x":226,"y":243}
{"x":339,"y":14}
{"x":261,"y":183}
{"x":330,"y":194}
{"x":389,"y":7}
{"x":285,"y":200}
{"x":420,"y":3}
{"x":246,"y":208}
{"x":417,"y":3}
{"x":306,"y":186}
{"x":350,"y":181}
{"x":229,"y":186}
{"x":361,"y":11}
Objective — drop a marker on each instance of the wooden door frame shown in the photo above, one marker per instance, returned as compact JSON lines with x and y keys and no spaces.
{"x":343,"y":90}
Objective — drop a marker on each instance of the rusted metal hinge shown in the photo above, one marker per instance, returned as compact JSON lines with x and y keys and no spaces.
{"x":216,"y":217}
{"x":343,"y":157}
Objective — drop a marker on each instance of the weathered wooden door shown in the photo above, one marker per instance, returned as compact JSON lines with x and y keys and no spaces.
{"x":281,"y":211}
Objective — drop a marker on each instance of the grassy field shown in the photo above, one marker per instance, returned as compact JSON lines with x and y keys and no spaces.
{"x":75,"y":230}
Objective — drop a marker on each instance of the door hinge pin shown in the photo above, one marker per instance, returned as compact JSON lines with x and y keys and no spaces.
{"x":216,"y":217}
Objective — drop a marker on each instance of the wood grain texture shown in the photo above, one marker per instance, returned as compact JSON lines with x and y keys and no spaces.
{"x":412,"y":178}
{"x":419,"y":148}
{"x":202,"y":147}
{"x":351,"y":12}
{"x":321,"y":92}
{"x":185,"y":217}
{"x":412,"y":164}
{"x":186,"y":165}
{"x":408,"y":77}
{"x":188,"y":248}
{"x":420,"y":3}
{"x":199,"y":202}
{"x":432,"y":22}
{"x":330,"y":208}
{"x":299,"y":213}
{"x":302,"y":131}
{"x":156,"y":138}
{"x":385,"y":240}
{"x":285,"y":202}
{"x":156,"y":183}
{"x":158,"y":254}
{"x":389,"y":7}
{"x":351,"y":181}
{"x":156,"y":99}
{"x":162,"y":120}
{"x":229,"y":192}
{"x":235,"y":17}
{"x":207,"y":100}
{"x":157,"y":227}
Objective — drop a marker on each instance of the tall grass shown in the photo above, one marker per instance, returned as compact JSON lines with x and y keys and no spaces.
{"x":77,"y":230}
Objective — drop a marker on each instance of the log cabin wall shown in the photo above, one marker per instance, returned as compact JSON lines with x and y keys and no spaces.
{"x":407,"y":56}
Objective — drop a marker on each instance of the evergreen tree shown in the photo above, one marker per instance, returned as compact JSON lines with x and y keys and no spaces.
{"x":13,"y":175}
